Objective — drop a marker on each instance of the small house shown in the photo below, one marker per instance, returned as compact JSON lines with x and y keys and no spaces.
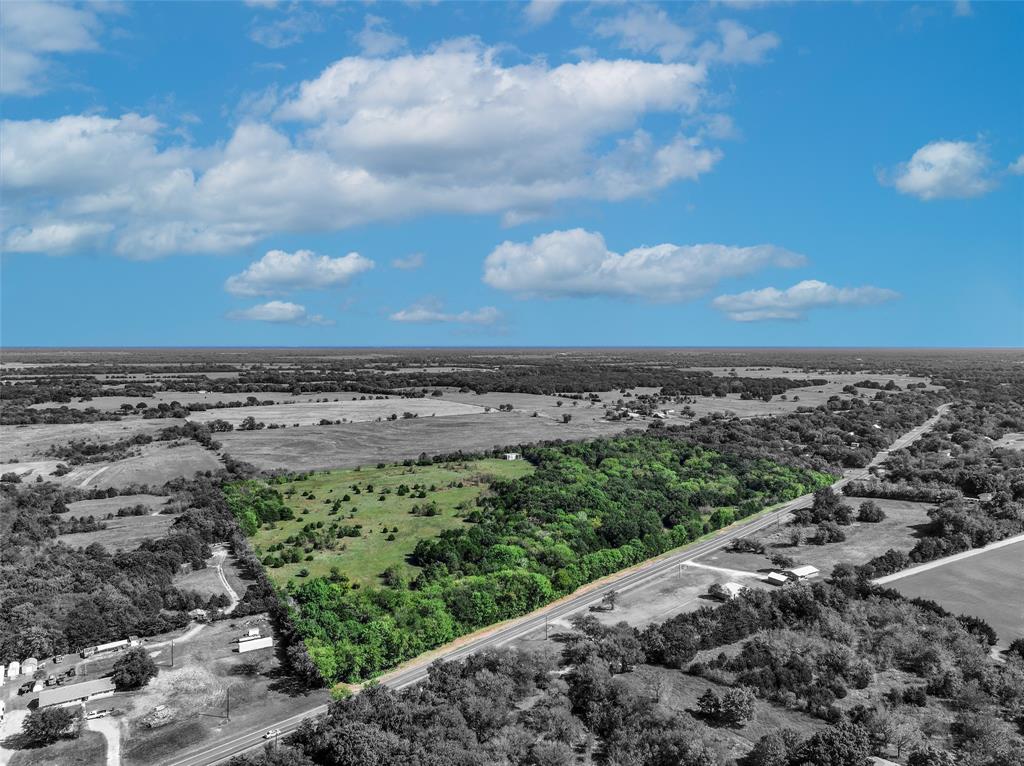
{"x":776,"y":578}
{"x":511,"y":455}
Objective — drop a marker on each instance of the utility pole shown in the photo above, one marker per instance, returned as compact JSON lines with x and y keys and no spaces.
{"x":172,"y":652}
{"x":545,"y":627}
{"x":227,"y":699}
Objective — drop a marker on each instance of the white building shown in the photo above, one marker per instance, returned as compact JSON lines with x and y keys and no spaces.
{"x":733,"y":589}
{"x":511,"y":455}
{"x":76,"y":693}
{"x":29,"y":666}
{"x":252,"y":643}
{"x":776,"y":578}
{"x":14,"y":669}
{"x":801,"y":573}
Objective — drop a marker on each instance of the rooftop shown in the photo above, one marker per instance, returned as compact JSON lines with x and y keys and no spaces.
{"x":61,"y":694}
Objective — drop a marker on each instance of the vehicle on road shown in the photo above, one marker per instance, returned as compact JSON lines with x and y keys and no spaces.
{"x":271,"y":733}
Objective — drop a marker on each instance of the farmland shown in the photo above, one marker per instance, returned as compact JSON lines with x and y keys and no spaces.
{"x":380,"y":509}
{"x":987,"y":585}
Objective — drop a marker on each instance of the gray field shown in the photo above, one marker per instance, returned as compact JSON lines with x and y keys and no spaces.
{"x":354,"y":444}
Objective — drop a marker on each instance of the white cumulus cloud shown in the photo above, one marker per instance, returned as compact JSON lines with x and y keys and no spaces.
{"x":32,"y":33}
{"x":540,"y":12}
{"x":645,"y":29}
{"x":739,"y":46}
{"x":431,"y":312}
{"x":376,"y":37}
{"x":280,"y":272}
{"x":578,"y":263}
{"x":944,"y":169}
{"x":279,"y":312}
{"x":794,"y":302}
{"x":453,"y":130}
{"x":1017,"y":166}
{"x":54,"y":238}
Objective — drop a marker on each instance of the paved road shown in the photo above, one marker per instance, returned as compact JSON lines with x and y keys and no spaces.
{"x":623,"y":582}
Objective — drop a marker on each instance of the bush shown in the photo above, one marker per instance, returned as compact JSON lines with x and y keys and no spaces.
{"x":869,"y":511}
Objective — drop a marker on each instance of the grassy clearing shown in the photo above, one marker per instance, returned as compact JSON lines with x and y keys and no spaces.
{"x":364,"y":558}
{"x":122,"y":533}
{"x":89,"y":749}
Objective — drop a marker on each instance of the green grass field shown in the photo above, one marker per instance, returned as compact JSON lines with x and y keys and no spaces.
{"x":364,"y":558}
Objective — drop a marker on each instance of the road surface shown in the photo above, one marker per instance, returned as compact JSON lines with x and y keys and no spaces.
{"x":496,"y":637}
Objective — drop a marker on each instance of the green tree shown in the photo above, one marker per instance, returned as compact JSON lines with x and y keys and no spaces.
{"x":46,"y":726}
{"x":737,"y":706}
{"x":134,"y":670}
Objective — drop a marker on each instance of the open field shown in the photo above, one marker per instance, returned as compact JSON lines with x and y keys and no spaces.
{"x":88,"y":750}
{"x":989,"y":585}
{"x":364,"y":558}
{"x":207,"y":581}
{"x":106,"y":505}
{"x":311,"y":413}
{"x":124,"y":533}
{"x":842,"y":378}
{"x":355,"y":444}
{"x":31,"y":442}
{"x":863,"y":541}
{"x":195,"y":690}
{"x":113,"y":401}
{"x":158,"y":462}
{"x":1011,"y":441}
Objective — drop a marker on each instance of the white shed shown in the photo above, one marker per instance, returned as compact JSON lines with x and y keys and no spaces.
{"x":733,"y":589}
{"x":29,"y":666}
{"x":802,"y":573}
{"x":14,"y":669}
{"x":776,"y":578}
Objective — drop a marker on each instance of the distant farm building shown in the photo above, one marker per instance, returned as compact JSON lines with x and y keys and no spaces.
{"x":801,"y":573}
{"x":511,"y":455}
{"x":776,"y":578}
{"x":76,"y":693}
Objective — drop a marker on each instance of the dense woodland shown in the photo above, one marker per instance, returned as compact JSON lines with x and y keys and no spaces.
{"x":58,"y":599}
{"x":922,"y":680}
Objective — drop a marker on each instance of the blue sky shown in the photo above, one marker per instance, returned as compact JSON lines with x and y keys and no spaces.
{"x":512,"y":174}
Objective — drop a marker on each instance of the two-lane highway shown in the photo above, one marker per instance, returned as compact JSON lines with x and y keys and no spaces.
{"x":498,"y":636}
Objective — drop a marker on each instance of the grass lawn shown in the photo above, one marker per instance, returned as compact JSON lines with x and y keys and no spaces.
{"x":89,"y":749}
{"x":364,"y":558}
